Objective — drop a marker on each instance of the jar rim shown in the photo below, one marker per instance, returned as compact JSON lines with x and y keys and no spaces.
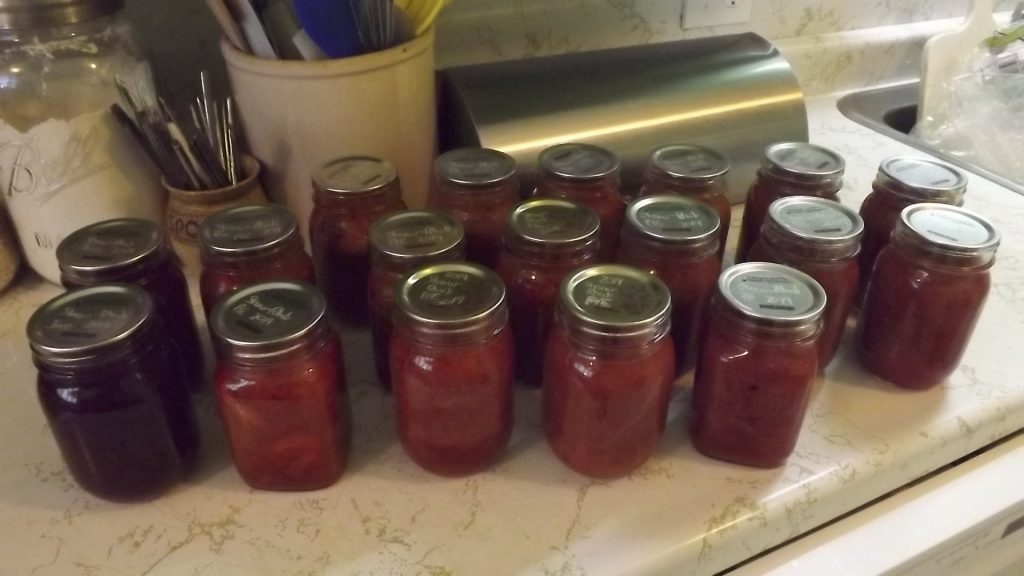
{"x":474,"y":167}
{"x":813,"y":220}
{"x":950,"y":229}
{"x":687,"y":221}
{"x":578,"y":161}
{"x":552,"y":222}
{"x":109,"y":247}
{"x":615,"y":299}
{"x":450,"y":296}
{"x":803,"y":162}
{"x":412,"y":236}
{"x":268,"y":319}
{"x":922,"y":179}
{"x":354,"y":175}
{"x":699,"y":164}
{"x":246,"y":230}
{"x":772,"y":294}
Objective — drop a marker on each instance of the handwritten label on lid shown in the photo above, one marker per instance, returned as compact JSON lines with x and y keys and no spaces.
{"x":356,"y":174}
{"x":806,"y":158}
{"x":94,"y":318}
{"x":690,"y":161}
{"x":555,"y":222}
{"x":772,"y":295}
{"x":675,"y":221}
{"x":950,"y":227}
{"x":580,"y":161}
{"x":922,"y":174}
{"x":453,"y":295}
{"x":618,"y":299}
{"x":476,"y":166}
{"x":817,"y":219}
{"x":109,"y":244}
{"x":251,"y":228}
{"x":269,"y":315}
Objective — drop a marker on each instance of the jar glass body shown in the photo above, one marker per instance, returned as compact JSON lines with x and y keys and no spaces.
{"x":600,"y":194}
{"x":765,"y":190}
{"x":532,"y":282}
{"x":453,"y":398}
{"x":222,"y":276}
{"x":482,"y":210}
{"x":65,"y":162}
{"x":165,"y":282}
{"x":691,"y":275}
{"x":339,"y":230}
{"x":918,"y":315}
{"x":605,"y":404}
{"x":839,"y":278}
{"x":287,"y":419}
{"x":751,"y":389}
{"x":125,"y":427}
{"x":712,"y":192}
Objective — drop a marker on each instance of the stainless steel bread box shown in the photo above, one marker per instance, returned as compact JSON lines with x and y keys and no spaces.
{"x":735,"y":93}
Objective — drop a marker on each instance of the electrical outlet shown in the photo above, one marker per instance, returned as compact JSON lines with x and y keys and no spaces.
{"x":697,"y":13}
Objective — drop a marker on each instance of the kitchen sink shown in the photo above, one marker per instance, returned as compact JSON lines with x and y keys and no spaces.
{"x":892,"y":110}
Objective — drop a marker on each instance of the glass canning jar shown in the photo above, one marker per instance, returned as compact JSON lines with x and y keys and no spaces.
{"x":757,"y":362}
{"x":399,"y":244}
{"x":589,"y":175}
{"x":64,"y":161}
{"x":135,"y":252}
{"x":249,"y":245}
{"x":280,"y":386}
{"x":820,"y":238}
{"x":350,"y":194}
{"x":695,"y":172}
{"x":608,"y":370}
{"x":926,"y":294}
{"x":545,"y":239}
{"x":478,"y":186}
{"x":902,"y":181}
{"x":788,"y":169}
{"x":451,"y":365}
{"x":113,"y":392}
{"x":676,"y":239}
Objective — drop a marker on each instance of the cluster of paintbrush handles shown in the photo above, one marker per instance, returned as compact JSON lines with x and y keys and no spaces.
{"x":201,"y":153}
{"x":319,"y":29}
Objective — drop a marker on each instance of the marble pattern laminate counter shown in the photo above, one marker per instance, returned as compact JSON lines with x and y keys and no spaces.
{"x":681,"y":513}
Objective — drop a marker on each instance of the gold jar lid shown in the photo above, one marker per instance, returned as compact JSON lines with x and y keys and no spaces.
{"x":612,"y":299}
{"x":109,"y":249}
{"x":474,"y":166}
{"x":542,"y":223}
{"x":415,"y":237}
{"x":354,"y":175}
{"x":688,"y":162}
{"x":672,"y":220}
{"x":578,"y":161}
{"x":450,"y":297}
{"x":247,"y":230}
{"x":266,"y":320}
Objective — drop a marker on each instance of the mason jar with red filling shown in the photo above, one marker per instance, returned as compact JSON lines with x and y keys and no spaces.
{"x":757,"y":363}
{"x":677,"y":239}
{"x":479,"y":187}
{"x":695,"y":172}
{"x":134,"y":251}
{"x":280,"y":386}
{"x":900,"y":182}
{"x":822,"y":239}
{"x":114,"y":392}
{"x":545,"y":239}
{"x":608,"y":370}
{"x":788,"y":169}
{"x":350,"y":194}
{"x":249,"y":245}
{"x":399,"y":244}
{"x":926,"y":294}
{"x":452,"y":368}
{"x":589,"y":175}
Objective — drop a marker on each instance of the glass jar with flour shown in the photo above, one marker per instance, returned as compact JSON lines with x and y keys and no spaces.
{"x":64,"y":161}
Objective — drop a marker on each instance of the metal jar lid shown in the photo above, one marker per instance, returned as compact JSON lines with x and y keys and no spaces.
{"x":551,"y":222}
{"x":266,"y":320}
{"x":950,"y":230}
{"x":612,"y":299}
{"x":416,"y":237}
{"x":803,"y":162}
{"x":772,"y":294}
{"x":354,"y":175}
{"x":247,"y":230}
{"x":578,"y":161}
{"x":922,"y":180}
{"x":32,"y":14}
{"x":89,"y":324}
{"x":672,"y":220}
{"x":450,"y":297}
{"x":688,"y":162}
{"x":818,"y":222}
{"x":474,"y":166}
{"x":108,"y":249}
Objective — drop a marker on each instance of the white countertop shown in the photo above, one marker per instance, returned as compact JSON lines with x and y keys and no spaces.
{"x":680,"y":513}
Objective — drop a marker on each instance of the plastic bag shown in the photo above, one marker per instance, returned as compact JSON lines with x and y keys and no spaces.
{"x":982,"y":118}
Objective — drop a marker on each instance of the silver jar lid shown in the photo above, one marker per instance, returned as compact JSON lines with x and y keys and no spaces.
{"x":450,"y":297}
{"x":922,"y":180}
{"x":247,"y":230}
{"x":616,"y":300}
{"x":578,"y":161}
{"x":671,"y":219}
{"x":32,"y":14}
{"x":266,"y":320}
{"x":818,"y":222}
{"x":414,"y":237}
{"x":689,"y":162}
{"x":354,"y":175}
{"x":552,"y":222}
{"x":109,"y":248}
{"x":88,"y":324}
{"x":475,"y":166}
{"x":804,"y":162}
{"x":772,"y":294}
{"x":950,"y":229}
